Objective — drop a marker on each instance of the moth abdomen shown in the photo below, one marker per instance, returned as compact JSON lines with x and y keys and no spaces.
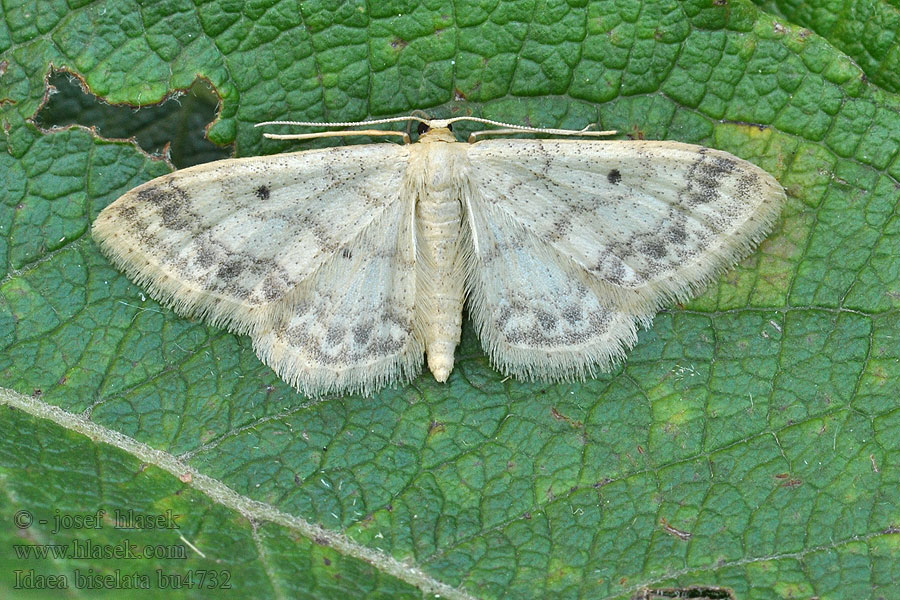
{"x":439,"y":254}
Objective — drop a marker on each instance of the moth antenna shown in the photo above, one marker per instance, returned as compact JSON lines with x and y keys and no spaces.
{"x":507,"y":127}
{"x":343,"y":123}
{"x":324,"y":134}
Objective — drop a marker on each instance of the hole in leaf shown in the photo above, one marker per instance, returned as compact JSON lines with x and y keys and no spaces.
{"x":180,"y":120}
{"x":687,"y":593}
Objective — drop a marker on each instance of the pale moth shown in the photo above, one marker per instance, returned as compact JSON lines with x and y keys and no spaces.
{"x":346,"y":264}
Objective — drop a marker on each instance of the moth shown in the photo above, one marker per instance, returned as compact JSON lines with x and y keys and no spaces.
{"x":346,"y":264}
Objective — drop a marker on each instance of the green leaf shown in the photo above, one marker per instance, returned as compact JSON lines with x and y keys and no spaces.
{"x":864,"y":30}
{"x":749,"y":443}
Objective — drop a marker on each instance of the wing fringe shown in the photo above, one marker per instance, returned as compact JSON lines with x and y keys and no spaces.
{"x":316,"y":381}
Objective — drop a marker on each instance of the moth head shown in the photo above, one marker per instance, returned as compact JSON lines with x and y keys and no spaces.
{"x":436,"y":130}
{"x":436,"y":124}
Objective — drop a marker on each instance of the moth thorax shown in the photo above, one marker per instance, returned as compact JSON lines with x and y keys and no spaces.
{"x":439,"y":134}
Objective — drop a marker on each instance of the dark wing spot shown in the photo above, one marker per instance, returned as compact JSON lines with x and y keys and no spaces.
{"x":677,"y":234}
{"x":230,"y":270}
{"x":172,"y":202}
{"x":171,"y":216}
{"x":546,"y":319}
{"x":129,"y":213}
{"x":572,"y":313}
{"x":153,"y":195}
{"x":205,"y":256}
{"x":654,"y":248}
{"x":335,"y":335}
{"x":614,"y":176}
{"x":362,"y":333}
{"x":262,"y":192}
{"x":346,"y":253}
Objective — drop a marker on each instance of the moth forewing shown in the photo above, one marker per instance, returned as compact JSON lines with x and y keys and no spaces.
{"x":230,"y":240}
